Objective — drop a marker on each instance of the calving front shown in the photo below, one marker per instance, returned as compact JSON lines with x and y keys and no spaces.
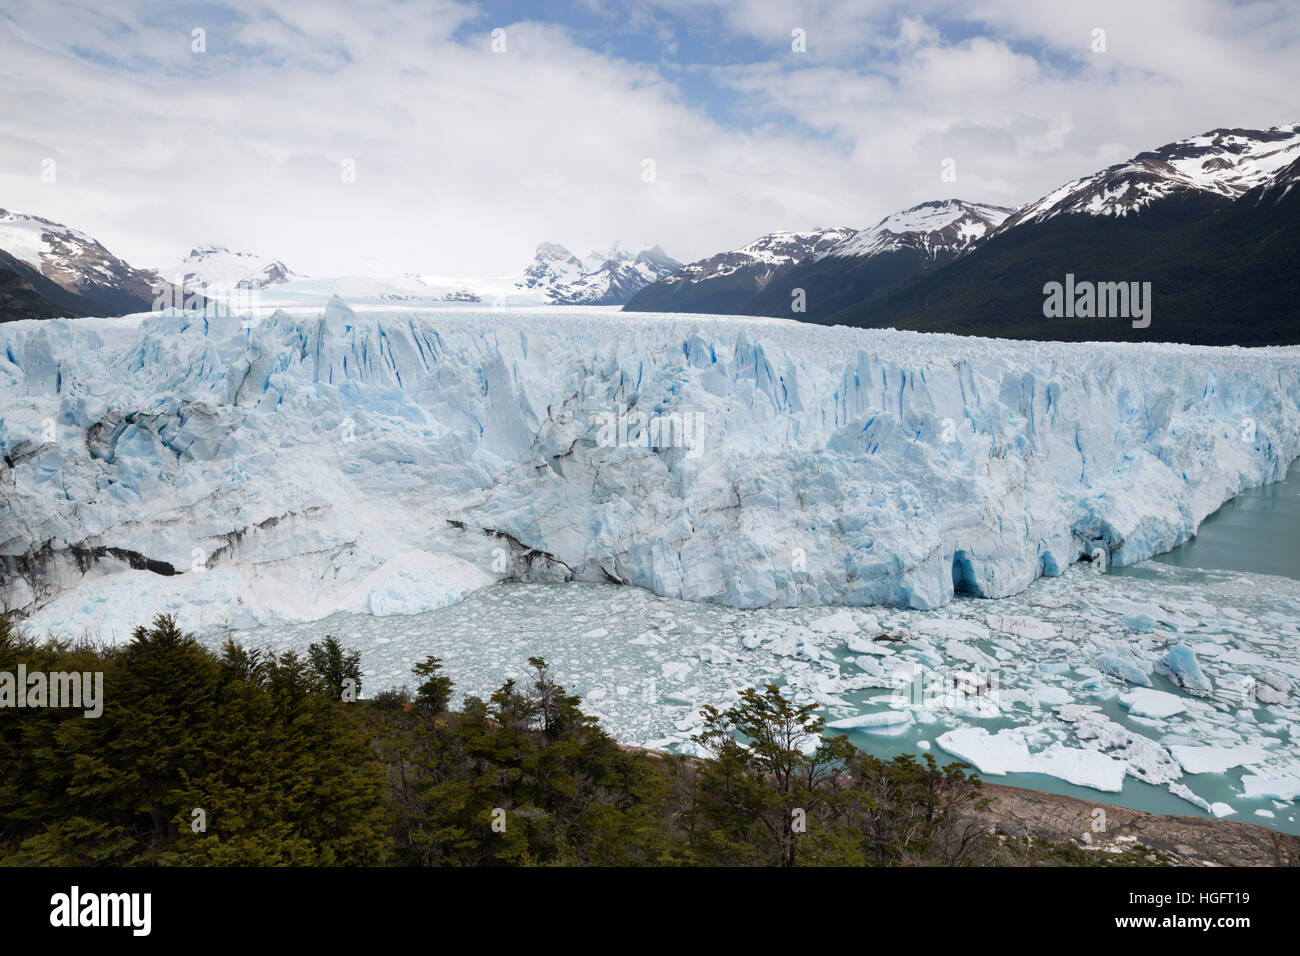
{"x":383,"y":462}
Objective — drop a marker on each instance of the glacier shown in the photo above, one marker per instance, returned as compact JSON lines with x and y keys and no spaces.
{"x":393,"y":461}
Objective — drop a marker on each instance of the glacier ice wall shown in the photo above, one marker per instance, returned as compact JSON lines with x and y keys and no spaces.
{"x":393,"y":461}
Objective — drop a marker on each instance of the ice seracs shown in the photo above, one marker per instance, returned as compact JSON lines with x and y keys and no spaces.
{"x":830,"y":465}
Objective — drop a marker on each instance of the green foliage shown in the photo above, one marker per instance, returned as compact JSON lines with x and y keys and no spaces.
{"x":251,"y":759}
{"x":773,"y":775}
{"x":907,"y":812}
{"x":76,"y":841}
{"x":282,"y":772}
{"x":524,"y":778}
{"x":434,"y":694}
{"x":339,"y":670}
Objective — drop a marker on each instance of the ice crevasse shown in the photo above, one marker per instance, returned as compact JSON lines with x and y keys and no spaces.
{"x":393,"y":461}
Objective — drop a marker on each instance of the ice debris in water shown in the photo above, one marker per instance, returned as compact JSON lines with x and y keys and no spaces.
{"x":653,"y":662}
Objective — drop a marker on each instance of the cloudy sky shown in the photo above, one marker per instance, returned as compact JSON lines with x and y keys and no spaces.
{"x":466,"y":156}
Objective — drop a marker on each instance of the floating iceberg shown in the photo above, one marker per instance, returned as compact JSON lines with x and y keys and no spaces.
{"x":887,"y":723}
{"x":1006,"y":752}
{"x":1207,"y":759}
{"x":1155,"y":704}
{"x":1125,"y":665}
{"x":1185,"y":671}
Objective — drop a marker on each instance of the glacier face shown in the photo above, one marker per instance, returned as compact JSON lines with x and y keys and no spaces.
{"x":393,"y":461}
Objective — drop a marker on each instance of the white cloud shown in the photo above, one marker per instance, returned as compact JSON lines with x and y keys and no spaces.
{"x":466,"y":158}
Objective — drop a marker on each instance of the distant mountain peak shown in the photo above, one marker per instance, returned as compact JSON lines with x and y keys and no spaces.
{"x":933,"y":227}
{"x":221,"y":266}
{"x":609,"y":277}
{"x":95,"y":280}
{"x":1221,"y":162}
{"x":761,"y":257}
{"x":552,"y":251}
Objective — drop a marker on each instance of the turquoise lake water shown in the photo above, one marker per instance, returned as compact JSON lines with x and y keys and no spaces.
{"x":1257,"y":531}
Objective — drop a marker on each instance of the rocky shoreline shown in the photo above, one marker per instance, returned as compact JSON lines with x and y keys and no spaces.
{"x":1185,"y":840}
{"x":1015,"y":813}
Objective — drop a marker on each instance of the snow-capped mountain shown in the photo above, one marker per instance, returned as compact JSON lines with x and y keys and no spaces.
{"x":620,"y":276}
{"x":759,"y":259}
{"x":219,"y":266}
{"x":946,"y":226}
{"x":26,"y":294}
{"x":1281,"y":185}
{"x":552,"y":266}
{"x":554,"y":277}
{"x":1222,"y":163}
{"x":1211,"y":222}
{"x":953,"y":266}
{"x":811,"y":275}
{"x":722,"y":281}
{"x":93,"y":280}
{"x":559,"y":277}
{"x":876,"y":260}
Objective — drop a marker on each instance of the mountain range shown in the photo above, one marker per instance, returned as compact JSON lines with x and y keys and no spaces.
{"x":602,"y":278}
{"x":217,"y":265}
{"x":1211,"y":222}
{"x":718,"y":283}
{"x":48,"y":270}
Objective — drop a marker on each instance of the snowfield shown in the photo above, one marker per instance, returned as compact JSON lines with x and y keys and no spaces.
{"x":392,"y":462}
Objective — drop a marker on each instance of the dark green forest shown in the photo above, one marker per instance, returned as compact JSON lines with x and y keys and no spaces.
{"x":247,"y":759}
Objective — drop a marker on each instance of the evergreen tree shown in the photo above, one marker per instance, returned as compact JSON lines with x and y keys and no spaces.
{"x":773,"y":778}
{"x":159,"y":699}
{"x":282,"y":773}
{"x":337,"y":668}
{"x":285,"y":773}
{"x":434,"y":694}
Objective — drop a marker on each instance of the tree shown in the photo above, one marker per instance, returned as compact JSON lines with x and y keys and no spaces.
{"x":434,"y":694}
{"x":337,"y":668}
{"x":280,"y":772}
{"x":916,"y":813}
{"x":773,"y":775}
{"x":559,"y":789}
{"x":159,"y":696}
{"x":293,"y":779}
{"x":284,"y":773}
{"x":560,"y":713}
